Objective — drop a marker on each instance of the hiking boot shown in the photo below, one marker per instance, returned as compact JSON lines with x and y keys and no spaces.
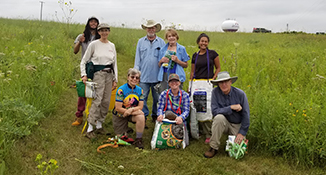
{"x":139,"y":143}
{"x":210,"y":153}
{"x":78,"y":121}
{"x":91,"y":135}
{"x":102,"y":131}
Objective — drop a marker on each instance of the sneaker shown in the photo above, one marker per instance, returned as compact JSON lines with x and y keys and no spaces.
{"x":139,"y":143}
{"x":207,"y":140}
{"x":90,"y":135}
{"x":210,"y":153}
{"x":126,"y":139}
{"x":78,"y":121}
{"x":102,"y":131}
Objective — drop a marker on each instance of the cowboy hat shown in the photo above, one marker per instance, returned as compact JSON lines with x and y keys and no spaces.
{"x":223,"y":76}
{"x":152,"y":23}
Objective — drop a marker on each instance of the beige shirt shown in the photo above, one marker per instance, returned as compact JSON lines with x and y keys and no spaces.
{"x":100,"y":54}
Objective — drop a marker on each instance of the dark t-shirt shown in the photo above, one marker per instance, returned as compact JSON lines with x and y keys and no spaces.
{"x":201,"y":68}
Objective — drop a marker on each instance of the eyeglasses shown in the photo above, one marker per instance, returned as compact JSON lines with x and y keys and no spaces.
{"x":133,"y":77}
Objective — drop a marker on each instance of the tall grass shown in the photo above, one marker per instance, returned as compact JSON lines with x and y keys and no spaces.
{"x":282,"y":75}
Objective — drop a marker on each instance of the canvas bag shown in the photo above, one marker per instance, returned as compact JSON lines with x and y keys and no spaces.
{"x":168,"y":135}
{"x":87,"y":90}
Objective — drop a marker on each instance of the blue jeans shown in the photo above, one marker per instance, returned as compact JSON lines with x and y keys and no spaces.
{"x":146,"y":88}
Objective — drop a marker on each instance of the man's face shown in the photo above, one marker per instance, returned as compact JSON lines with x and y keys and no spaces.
{"x":151,"y":31}
{"x":225,"y":86}
{"x":93,"y":24}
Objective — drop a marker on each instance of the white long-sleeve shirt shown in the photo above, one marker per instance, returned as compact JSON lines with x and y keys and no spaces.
{"x":100,"y":54}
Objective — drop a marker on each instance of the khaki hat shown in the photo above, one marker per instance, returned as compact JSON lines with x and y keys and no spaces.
{"x":152,"y":23}
{"x":173,"y":77}
{"x":103,"y":26}
{"x":223,"y":76}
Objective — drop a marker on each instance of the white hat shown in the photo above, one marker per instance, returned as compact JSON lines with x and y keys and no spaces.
{"x":152,"y":23}
{"x":103,"y":26}
{"x":223,"y":76}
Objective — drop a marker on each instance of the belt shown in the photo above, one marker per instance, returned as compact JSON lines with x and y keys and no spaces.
{"x":107,"y":70}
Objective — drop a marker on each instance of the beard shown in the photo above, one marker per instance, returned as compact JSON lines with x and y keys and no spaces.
{"x":150,"y":34}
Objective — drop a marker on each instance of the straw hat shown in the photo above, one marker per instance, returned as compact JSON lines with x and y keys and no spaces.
{"x":152,"y":23}
{"x":223,"y":76}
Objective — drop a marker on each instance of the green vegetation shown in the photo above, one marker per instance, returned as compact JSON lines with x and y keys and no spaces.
{"x":282,"y":75}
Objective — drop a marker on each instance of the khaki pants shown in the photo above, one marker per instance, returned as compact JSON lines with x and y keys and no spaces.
{"x":100,"y":105}
{"x":222,"y":126}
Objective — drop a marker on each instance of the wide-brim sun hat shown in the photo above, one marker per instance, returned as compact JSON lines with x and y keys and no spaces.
{"x":103,"y":26}
{"x":152,"y":23}
{"x":223,"y":76}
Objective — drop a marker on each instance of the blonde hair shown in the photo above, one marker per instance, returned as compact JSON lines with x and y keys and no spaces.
{"x":172,"y":32}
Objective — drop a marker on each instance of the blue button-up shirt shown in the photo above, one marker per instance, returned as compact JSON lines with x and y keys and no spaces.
{"x":163,"y":101}
{"x":146,"y":59}
{"x":221,"y":104}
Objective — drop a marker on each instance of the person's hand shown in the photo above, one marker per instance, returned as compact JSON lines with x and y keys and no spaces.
{"x":114,"y":85}
{"x":160,"y":118}
{"x":84,"y":78}
{"x":174,"y":58}
{"x":236,"y":107}
{"x":239,"y":138}
{"x":178,"y":120}
{"x":82,"y":39}
{"x":128,"y":112}
{"x":138,"y":112}
{"x":165,"y":60}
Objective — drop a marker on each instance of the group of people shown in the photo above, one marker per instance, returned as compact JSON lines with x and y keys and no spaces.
{"x":159,"y":68}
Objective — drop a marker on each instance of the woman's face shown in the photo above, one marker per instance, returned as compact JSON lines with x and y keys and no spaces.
{"x":93,"y":24}
{"x":133,"y":80}
{"x":104,"y":33}
{"x":203,"y":43}
{"x":171,"y":39}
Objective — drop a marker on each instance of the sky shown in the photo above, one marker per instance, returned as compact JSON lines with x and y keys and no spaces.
{"x":199,"y":15}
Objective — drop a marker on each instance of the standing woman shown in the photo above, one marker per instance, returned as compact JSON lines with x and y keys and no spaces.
{"x":83,"y":40}
{"x":102,"y":54}
{"x":202,"y":67}
{"x":173,"y":59}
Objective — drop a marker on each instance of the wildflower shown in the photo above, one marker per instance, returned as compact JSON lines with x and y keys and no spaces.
{"x":304,"y":115}
{"x":297,"y":111}
{"x":236,"y":44}
{"x":121,"y":167}
{"x":30,"y":43}
{"x":33,"y":51}
{"x":304,"y":111}
{"x":46,"y":58}
{"x":294,"y":115}
{"x":31,"y":67}
{"x":249,"y":85}
{"x":52,"y":83}
{"x":2,"y":75}
{"x":290,"y":104}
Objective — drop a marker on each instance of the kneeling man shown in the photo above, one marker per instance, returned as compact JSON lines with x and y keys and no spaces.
{"x":230,"y":109}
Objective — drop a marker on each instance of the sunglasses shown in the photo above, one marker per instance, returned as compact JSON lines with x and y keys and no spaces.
{"x":133,"y":77}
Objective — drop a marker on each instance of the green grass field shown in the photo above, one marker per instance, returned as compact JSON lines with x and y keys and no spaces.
{"x":283,"y":76}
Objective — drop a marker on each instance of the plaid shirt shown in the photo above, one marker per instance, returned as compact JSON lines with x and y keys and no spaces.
{"x":163,"y":101}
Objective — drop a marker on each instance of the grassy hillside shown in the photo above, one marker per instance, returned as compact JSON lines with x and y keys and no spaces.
{"x":282,"y":75}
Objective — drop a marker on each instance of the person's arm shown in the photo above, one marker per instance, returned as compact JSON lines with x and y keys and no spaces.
{"x":185,"y":105}
{"x":217,"y":67}
{"x":87,"y":56}
{"x":245,"y":115}
{"x":125,"y":112}
{"x":216,"y":109}
{"x":80,"y":39}
{"x":137,"y":56}
{"x":192,"y":71}
{"x":115,"y":65}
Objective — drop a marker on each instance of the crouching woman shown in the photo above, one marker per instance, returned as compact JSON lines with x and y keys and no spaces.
{"x":174,"y":103}
{"x":128,"y":107}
